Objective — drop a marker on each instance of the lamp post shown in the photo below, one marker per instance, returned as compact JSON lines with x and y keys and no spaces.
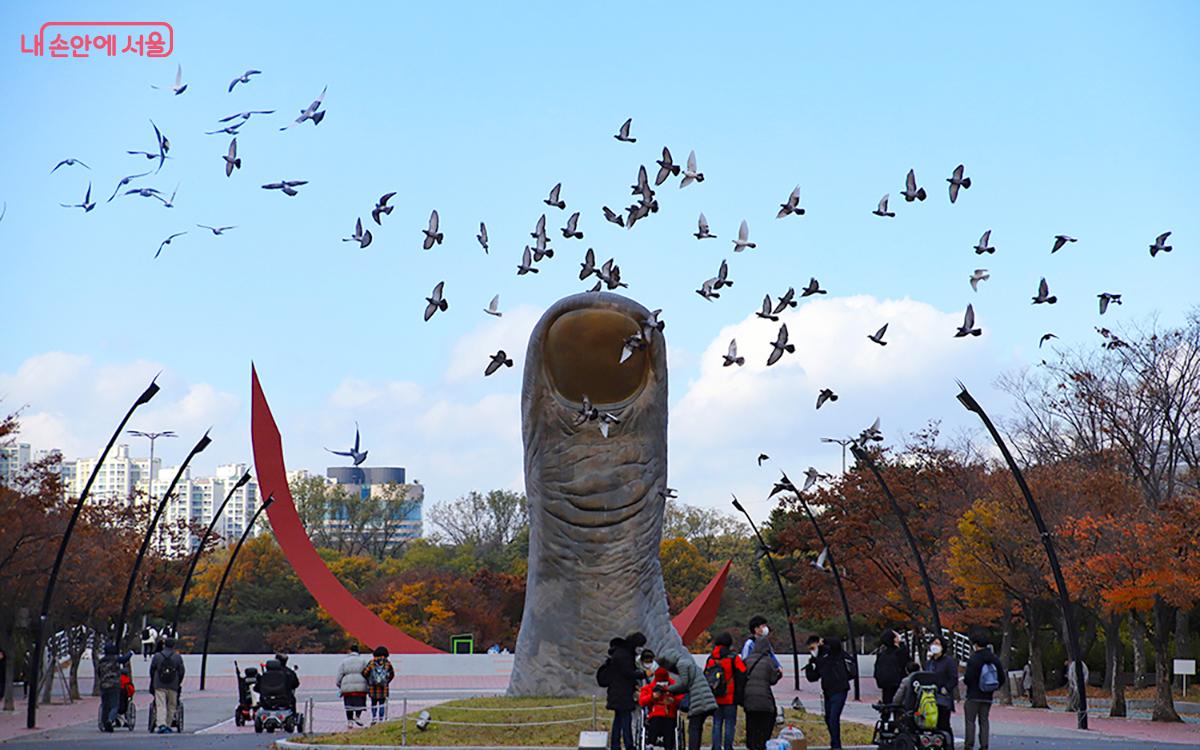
{"x":865,"y":458}
{"x":786,"y":484}
{"x":212,"y":613}
{"x":1064,"y":598}
{"x":201,"y":444}
{"x":151,"y":436}
{"x":787,"y":608}
{"x":845,"y":443}
{"x":187,"y":580}
{"x":39,"y":639}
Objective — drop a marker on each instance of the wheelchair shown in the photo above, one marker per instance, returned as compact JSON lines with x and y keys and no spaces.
{"x":176,"y":721}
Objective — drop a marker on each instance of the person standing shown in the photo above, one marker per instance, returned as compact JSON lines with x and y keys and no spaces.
{"x":945,"y":671}
{"x":890,"y":660}
{"x":353,"y":686}
{"x":379,"y":674}
{"x":166,"y":682}
{"x":701,"y":701}
{"x":984,"y":676}
{"x":758,"y":628}
{"x":724,"y":670}
{"x":759,"y":701}
{"x":831,"y":666}
{"x":619,"y":675}
{"x":108,"y":675}
{"x":149,"y":638}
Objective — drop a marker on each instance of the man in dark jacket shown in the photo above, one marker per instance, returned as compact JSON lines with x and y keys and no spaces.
{"x":890,"y":661}
{"x":831,"y":666}
{"x":978,"y":705}
{"x":166,"y":680}
{"x":108,"y":674}
{"x":622,"y":678}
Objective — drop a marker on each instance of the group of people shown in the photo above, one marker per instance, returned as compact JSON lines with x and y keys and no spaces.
{"x":115,"y":676}
{"x":362,"y":677}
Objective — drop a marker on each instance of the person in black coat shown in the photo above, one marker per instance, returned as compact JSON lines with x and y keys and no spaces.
{"x":830,"y":666}
{"x":890,"y":660}
{"x":623,"y":674}
{"x":978,"y":705}
{"x":945,"y":670}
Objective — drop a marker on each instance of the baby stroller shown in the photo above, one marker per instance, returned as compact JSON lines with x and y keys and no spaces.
{"x":912,"y":723}
{"x":244,"y":711}
{"x":126,"y":710}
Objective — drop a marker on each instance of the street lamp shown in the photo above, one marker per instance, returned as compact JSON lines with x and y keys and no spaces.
{"x":1064,"y":598}
{"x":151,"y":436}
{"x":187,"y":580}
{"x":787,"y":609}
{"x":39,"y":638}
{"x":844,"y":442}
{"x":221,"y":586}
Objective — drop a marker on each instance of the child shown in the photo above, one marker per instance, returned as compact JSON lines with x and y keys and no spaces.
{"x":663,"y":710}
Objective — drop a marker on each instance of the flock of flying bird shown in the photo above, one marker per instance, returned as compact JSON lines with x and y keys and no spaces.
{"x":608,"y":273}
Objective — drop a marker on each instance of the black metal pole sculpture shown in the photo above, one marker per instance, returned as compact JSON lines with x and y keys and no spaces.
{"x":1064,"y":598}
{"x":212,"y":613}
{"x":187,"y":580}
{"x":865,"y":458}
{"x":787,"y":608}
{"x":201,"y":444}
{"x":787,"y":485}
{"x":39,"y":638}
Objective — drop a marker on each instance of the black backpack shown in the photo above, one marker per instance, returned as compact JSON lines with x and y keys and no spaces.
{"x":714,"y":673}
{"x":604,"y":674}
{"x":167,"y":674}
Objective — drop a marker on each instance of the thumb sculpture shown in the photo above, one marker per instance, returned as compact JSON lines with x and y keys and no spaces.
{"x":595,"y":501}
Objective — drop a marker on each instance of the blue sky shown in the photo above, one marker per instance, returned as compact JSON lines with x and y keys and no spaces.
{"x":1075,"y":118}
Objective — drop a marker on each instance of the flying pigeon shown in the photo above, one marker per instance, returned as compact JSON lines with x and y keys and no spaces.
{"x":179,"y":86}
{"x":968,"y":326}
{"x":227,"y":130}
{"x":232,"y":161}
{"x":124,"y":181}
{"x":980,"y":274}
{"x":668,"y":493}
{"x":1043,"y":294}
{"x":722,"y":279}
{"x":814,"y":287}
{"x":381,"y":208}
{"x":73,"y":162}
{"x":882,"y":210}
{"x":243,"y":78}
{"x":362,"y":238}
{"x":780,"y":345}
{"x":526,"y":263}
{"x":653,"y":323}
{"x":482,"y":236}
{"x":811,"y":477}
{"x":792,"y":206}
{"x":354,"y":453}
{"x":1045,"y":337}
{"x":570,"y":230}
{"x":587,"y":412}
{"x":743,"y":239}
{"x":635,"y":342}
{"x":310,"y":112}
{"x":606,"y":420}
{"x":217,"y":231}
{"x":787,"y":300}
{"x":498,"y":360}
{"x":957,"y":181}
{"x":642,"y":186}
{"x":983,"y":246}
{"x":610,"y":275}
{"x":763,"y":457}
{"x":169,"y":202}
{"x":666,"y":167}
{"x":167,"y":241}
{"x":732,"y":358}
{"x":708,"y":291}
{"x":872,"y":433}
{"x":826,"y":394}
{"x":702,"y":232}
{"x":287,"y":186}
{"x":588,"y":266}
{"x":911,"y":192}
{"x":432,"y":235}
{"x":145,"y":192}
{"x":877,"y":337}
{"x":435,"y":302}
{"x":623,"y":134}
{"x":244,"y":116}
{"x":1059,"y":241}
{"x":1107,"y":298}
{"x":87,"y":204}
{"x":493,"y":307}
{"x":613,"y":217}
{"x":1159,"y":245}
{"x":690,"y":174}
{"x":819,"y":563}
{"x":553,"y":199}
{"x":766,"y":313}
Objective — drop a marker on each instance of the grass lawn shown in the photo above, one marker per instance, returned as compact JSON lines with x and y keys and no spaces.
{"x":509,"y":711}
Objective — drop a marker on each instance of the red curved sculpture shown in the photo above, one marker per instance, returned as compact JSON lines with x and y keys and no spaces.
{"x":356,"y":619}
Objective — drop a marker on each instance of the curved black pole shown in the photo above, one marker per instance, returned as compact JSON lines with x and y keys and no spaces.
{"x":39,"y":638}
{"x":221,"y":586}
{"x":187,"y":580}
{"x":837,"y":578}
{"x":1064,"y":598}
{"x":865,"y":458}
{"x":787,"y":608}
{"x":201,"y":444}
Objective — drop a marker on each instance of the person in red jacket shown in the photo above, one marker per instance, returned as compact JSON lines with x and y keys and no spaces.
{"x":733,"y":671}
{"x":663,"y":708}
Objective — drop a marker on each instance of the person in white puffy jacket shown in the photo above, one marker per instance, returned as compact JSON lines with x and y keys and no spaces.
{"x":353,"y":686}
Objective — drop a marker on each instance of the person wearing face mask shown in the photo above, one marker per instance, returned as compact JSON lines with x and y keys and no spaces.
{"x":945,"y":670}
{"x":725,"y":672}
{"x":758,"y":629}
{"x":831,"y":666}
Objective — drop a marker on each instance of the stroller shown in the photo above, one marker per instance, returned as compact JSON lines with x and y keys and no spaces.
{"x":244,"y":711}
{"x":912,"y":723}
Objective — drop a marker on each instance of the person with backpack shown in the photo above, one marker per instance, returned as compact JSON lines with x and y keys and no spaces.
{"x":759,"y":700}
{"x":108,"y":674}
{"x":726,"y":675}
{"x":890,"y":660}
{"x":701,"y":703}
{"x":983,"y":677}
{"x":166,"y":682}
{"x":352,"y":686}
{"x":833,"y":667}
{"x":662,"y":710}
{"x":379,"y":674}
{"x":619,"y":675}
{"x":945,"y":670}
{"x":149,"y":638}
